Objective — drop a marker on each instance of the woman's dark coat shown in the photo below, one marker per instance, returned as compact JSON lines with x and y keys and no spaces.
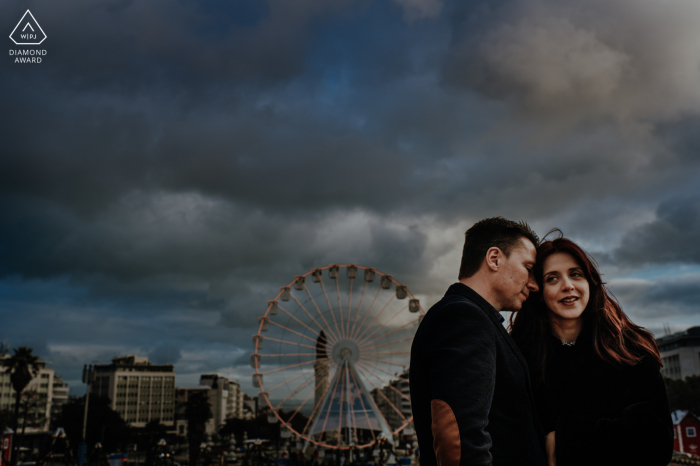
{"x":603,"y":414}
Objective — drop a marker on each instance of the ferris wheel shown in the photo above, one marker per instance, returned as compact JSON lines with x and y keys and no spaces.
{"x":332,"y":353}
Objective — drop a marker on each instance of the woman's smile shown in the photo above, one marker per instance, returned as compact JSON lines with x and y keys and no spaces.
{"x":565,"y":288}
{"x":569,"y":300}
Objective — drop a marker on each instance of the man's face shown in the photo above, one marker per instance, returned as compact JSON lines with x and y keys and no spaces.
{"x":515,"y":279}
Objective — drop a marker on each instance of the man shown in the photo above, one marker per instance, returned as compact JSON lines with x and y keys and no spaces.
{"x":470,"y":388}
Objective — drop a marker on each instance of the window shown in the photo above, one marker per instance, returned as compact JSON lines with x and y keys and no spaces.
{"x":672,"y":366}
{"x":690,"y":431}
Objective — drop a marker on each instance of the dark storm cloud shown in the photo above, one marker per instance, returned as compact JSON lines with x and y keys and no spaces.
{"x":661,"y":298}
{"x":126,"y":45}
{"x":581,"y":61}
{"x":672,"y":237}
{"x":165,"y":353}
{"x":172,"y":164}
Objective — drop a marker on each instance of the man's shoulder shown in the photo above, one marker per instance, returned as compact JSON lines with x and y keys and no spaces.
{"x":456,"y":307}
{"x":454,"y":320}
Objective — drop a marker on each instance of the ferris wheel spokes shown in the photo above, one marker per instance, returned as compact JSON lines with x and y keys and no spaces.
{"x":302,"y":323}
{"x":328,"y":328}
{"x":291,"y":366}
{"x":359,"y":343}
{"x":289,"y":342}
{"x":333,"y":336}
{"x":325,"y":370}
{"x":354,"y":335}
{"x":364,"y":409}
{"x":376,"y":317}
{"x":328,"y":411}
{"x":387,"y":344}
{"x":367,"y":366}
{"x":330,"y":308}
{"x":292,"y":331}
{"x":290,"y":380}
{"x":389,"y":333}
{"x":351,"y":278}
{"x":359,"y":306}
{"x":340,"y":305}
{"x":380,"y":391}
{"x":313,"y":413}
{"x":365,"y":359}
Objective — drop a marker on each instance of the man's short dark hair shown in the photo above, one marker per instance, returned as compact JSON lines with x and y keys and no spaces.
{"x":488,"y":233}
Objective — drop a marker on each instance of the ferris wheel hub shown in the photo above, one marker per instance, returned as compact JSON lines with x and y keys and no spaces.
{"x":346,"y":350}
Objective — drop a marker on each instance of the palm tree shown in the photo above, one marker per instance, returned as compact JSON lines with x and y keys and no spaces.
{"x":197,"y":413}
{"x":22,"y":366}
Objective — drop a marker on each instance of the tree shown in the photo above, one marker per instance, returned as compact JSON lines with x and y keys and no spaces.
{"x":197,"y":413}
{"x":148,"y":441}
{"x":234,"y":427}
{"x":104,"y":424}
{"x":33,"y":408}
{"x":22,"y":366}
{"x":5,"y":419}
{"x":684,"y":393}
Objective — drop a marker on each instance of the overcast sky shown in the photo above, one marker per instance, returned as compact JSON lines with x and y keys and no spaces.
{"x":170,"y":164}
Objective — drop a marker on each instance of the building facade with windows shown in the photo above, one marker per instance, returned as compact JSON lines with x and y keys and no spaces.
{"x":59,"y":396}
{"x":686,"y":432}
{"x":138,"y":390}
{"x":394,"y":401}
{"x":42,"y":398}
{"x":225,"y":397}
{"x":680,"y":353}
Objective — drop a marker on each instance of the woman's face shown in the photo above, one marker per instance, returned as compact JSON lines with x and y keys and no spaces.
{"x":565,"y":288}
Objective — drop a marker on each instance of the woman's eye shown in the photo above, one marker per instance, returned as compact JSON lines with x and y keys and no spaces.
{"x":550,"y":279}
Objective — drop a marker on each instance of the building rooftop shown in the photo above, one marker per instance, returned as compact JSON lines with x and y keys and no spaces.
{"x":134,"y":363}
{"x":689,"y":337}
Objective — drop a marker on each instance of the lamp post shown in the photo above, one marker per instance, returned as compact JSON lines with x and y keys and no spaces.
{"x":88,"y":378}
{"x":272,"y":419}
{"x":202,"y":449}
{"x":162,"y":458}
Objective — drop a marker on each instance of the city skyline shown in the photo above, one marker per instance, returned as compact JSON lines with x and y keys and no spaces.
{"x":168,"y":166}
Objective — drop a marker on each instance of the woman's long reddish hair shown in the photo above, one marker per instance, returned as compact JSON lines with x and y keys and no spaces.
{"x":613,"y":337}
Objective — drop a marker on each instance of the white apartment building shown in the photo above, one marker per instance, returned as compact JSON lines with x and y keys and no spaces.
{"x":139,"y":390}
{"x":680,"y":353}
{"x":59,"y":396}
{"x":225,"y":399}
{"x":45,"y":395}
{"x":392,"y":400}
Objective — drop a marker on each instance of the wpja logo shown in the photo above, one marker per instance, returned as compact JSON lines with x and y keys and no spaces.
{"x":28,"y":32}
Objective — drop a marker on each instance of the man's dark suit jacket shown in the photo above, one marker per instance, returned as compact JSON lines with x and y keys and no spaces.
{"x":470,"y":388}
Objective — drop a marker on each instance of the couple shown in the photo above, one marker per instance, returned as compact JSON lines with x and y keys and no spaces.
{"x":575,"y":382}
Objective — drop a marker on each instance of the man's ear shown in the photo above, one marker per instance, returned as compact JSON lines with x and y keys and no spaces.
{"x":494,"y":256}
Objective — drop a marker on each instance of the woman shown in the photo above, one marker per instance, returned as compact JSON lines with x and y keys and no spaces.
{"x":595,"y":375}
